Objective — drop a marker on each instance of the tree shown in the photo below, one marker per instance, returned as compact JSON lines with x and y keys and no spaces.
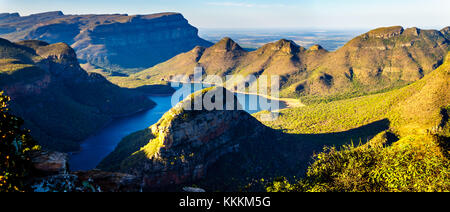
{"x":15,"y":146}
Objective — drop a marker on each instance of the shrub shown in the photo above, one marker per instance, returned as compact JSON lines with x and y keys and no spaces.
{"x":15,"y":144}
{"x":372,"y":169}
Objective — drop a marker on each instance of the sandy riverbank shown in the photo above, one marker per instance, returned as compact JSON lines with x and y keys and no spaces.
{"x":289,"y":102}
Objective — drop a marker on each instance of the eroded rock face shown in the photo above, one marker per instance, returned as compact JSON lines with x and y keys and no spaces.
{"x":446,"y":32}
{"x":51,"y":174}
{"x":48,"y":163}
{"x":109,"y":41}
{"x":186,"y":143}
{"x":110,"y":181}
{"x":193,"y":190}
{"x":91,"y":181}
{"x":8,"y":15}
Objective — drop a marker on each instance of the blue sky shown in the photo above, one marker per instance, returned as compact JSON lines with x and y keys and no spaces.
{"x":324,"y":14}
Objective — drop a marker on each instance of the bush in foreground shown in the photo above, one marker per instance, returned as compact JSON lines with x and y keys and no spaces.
{"x":406,"y":168}
{"x":15,"y":144}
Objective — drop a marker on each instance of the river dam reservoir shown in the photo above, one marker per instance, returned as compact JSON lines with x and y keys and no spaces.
{"x":99,"y":145}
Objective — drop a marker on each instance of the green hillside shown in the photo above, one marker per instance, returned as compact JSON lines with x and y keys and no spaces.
{"x":405,"y":108}
{"x":412,"y":155}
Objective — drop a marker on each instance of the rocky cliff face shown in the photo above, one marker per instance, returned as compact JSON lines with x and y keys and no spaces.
{"x":386,"y":33}
{"x":184,"y":144}
{"x":60,"y":102}
{"x":109,"y":41}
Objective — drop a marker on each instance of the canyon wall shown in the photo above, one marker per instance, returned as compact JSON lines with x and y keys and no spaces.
{"x":115,"y":42}
{"x":60,"y":102}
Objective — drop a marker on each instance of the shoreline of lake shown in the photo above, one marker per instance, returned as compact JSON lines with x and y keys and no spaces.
{"x":289,"y":102}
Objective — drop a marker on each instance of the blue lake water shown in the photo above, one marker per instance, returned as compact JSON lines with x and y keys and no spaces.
{"x":99,"y":145}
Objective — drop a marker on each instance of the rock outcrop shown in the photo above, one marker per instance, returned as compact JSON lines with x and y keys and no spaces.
{"x":185,"y":143}
{"x":111,"y":181}
{"x":51,"y":173}
{"x":6,"y":17}
{"x":60,"y":102}
{"x":386,"y":32}
{"x":316,"y":47}
{"x":109,"y":41}
{"x":50,"y":163}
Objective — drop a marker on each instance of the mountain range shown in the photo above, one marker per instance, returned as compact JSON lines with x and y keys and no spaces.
{"x":108,"y":43}
{"x":375,"y":61}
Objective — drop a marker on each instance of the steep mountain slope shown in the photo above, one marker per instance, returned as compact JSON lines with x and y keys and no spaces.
{"x":109,"y":41}
{"x":378,"y":60}
{"x":60,"y":102}
{"x":382,"y":58}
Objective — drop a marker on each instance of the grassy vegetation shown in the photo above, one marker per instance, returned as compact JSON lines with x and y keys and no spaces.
{"x":359,"y":91}
{"x":133,"y":82}
{"x":24,"y":73}
{"x":336,"y":116}
{"x":9,"y":66}
{"x":17,"y":63}
{"x":342,"y":115}
{"x":161,"y":89}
